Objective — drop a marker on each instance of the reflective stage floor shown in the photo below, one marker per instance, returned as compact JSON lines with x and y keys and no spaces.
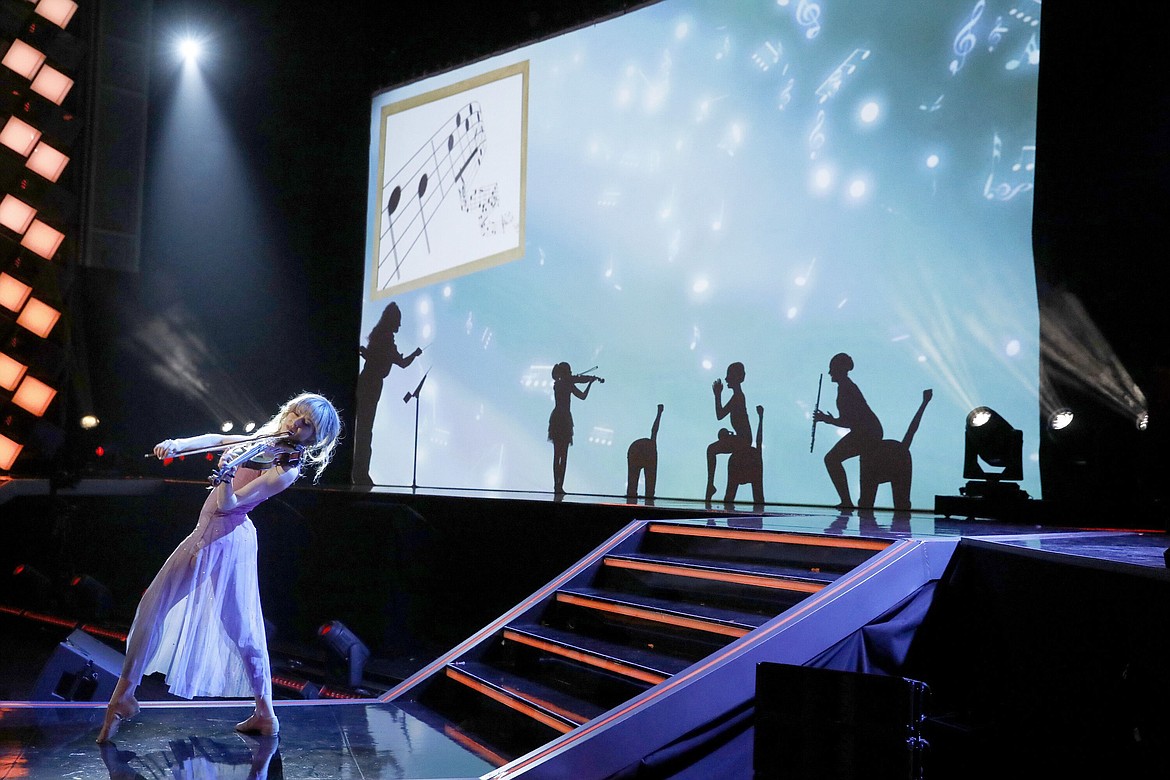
{"x":372,"y":739}
{"x":317,"y":740}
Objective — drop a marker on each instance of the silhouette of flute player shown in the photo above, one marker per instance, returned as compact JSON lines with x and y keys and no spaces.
{"x":853,"y":412}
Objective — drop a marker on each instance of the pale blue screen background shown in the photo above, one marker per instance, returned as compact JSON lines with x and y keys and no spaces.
{"x":700,"y":190}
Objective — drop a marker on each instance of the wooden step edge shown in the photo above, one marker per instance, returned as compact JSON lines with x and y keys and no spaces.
{"x":776,"y":537}
{"x":468,"y":742}
{"x":654,"y":616}
{"x":581,"y":656}
{"x":554,"y":717}
{"x":716,"y":575}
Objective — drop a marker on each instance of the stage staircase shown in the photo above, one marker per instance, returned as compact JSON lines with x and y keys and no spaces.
{"x":667,"y":618}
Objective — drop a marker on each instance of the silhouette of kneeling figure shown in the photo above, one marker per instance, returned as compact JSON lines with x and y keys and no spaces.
{"x":890,"y":461}
{"x":739,"y":437}
{"x":746,"y":467}
{"x":642,"y":458}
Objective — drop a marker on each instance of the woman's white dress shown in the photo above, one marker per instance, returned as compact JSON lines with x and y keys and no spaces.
{"x":199,"y":622}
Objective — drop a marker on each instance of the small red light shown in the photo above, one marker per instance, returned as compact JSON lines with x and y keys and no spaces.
{"x":75,"y":581}
{"x":325,"y":629}
{"x":167,"y":461}
{"x":100,"y":452}
{"x":208,"y":456}
{"x":19,"y":568}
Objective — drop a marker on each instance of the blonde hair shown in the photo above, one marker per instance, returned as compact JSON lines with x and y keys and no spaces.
{"x":326,"y":428}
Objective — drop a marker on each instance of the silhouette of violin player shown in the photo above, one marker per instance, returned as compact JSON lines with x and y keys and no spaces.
{"x":560,"y":422}
{"x":740,"y":435}
{"x":865,"y":430}
{"x":380,"y":355}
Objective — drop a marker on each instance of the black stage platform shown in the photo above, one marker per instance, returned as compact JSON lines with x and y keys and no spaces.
{"x":375,"y":739}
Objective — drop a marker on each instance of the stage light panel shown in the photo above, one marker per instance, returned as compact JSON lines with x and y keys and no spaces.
{"x":9,"y":450}
{"x":19,"y":136}
{"x":13,"y":292}
{"x":23,"y":59}
{"x":15,"y":214}
{"x":42,"y":239}
{"x":11,"y":372}
{"x":38,"y":317}
{"x":34,"y":396}
{"x":47,"y":161}
{"x":52,"y":84}
{"x":59,"y":12}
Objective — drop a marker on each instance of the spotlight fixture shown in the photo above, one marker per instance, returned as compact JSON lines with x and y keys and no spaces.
{"x":190,"y":49}
{"x":993,"y":460}
{"x":227,"y":426}
{"x":1143,"y":420}
{"x":88,"y":598}
{"x":994,"y":449}
{"x":1061,"y":419}
{"x":29,"y":588}
{"x":347,"y":656}
{"x":89,"y":422}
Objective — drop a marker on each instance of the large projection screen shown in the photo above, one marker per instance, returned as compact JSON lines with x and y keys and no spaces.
{"x":695,"y":184}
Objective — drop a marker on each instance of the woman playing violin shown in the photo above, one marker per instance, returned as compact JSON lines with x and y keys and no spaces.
{"x":560,"y":422}
{"x":199,"y":622}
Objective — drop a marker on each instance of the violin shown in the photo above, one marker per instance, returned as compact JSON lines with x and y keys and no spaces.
{"x":587,"y":377}
{"x":260,"y":456}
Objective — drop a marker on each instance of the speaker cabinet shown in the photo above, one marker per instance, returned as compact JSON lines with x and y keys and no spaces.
{"x":80,"y":669}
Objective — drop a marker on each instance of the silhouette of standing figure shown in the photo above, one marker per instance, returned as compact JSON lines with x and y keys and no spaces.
{"x":642,"y":457}
{"x":560,"y":422}
{"x":740,"y":435}
{"x":380,"y":355}
{"x":865,"y":430}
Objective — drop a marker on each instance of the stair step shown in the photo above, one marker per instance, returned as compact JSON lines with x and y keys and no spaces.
{"x":776,"y":537}
{"x":632,"y":662}
{"x":553,"y":708}
{"x":753,"y":575}
{"x":712,"y":620}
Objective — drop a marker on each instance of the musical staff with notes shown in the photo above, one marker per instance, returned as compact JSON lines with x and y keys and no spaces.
{"x":449,"y":159}
{"x":448,"y":195}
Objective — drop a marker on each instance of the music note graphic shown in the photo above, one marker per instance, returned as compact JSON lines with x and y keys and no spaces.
{"x":996,"y":34}
{"x":449,"y":159}
{"x":808,"y":15}
{"x":767,"y":55}
{"x":1027,"y":159}
{"x":1031,"y":55}
{"x":832,"y":85}
{"x":816,"y":139}
{"x":1008,"y":190}
{"x":935,"y":106}
{"x":785,"y":95}
{"x":965,"y":39}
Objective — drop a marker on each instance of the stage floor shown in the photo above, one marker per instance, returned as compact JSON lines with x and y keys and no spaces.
{"x":371,"y":739}
{"x":318,"y":740}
